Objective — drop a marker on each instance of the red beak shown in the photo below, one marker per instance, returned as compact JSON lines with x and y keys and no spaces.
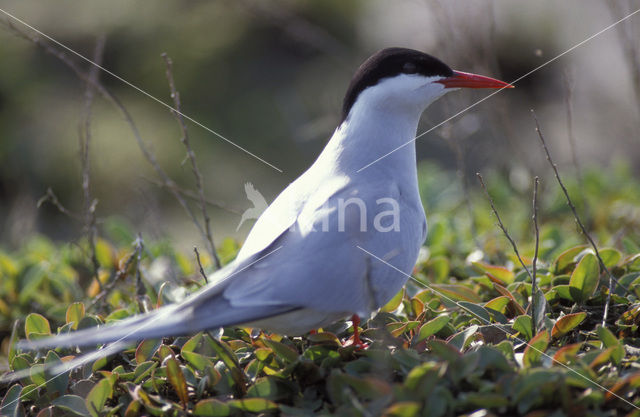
{"x":467,"y":80}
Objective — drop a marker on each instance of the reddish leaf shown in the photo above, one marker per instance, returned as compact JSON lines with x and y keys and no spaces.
{"x":567,"y":323}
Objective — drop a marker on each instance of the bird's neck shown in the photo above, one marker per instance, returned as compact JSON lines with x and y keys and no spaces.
{"x":378,"y":138}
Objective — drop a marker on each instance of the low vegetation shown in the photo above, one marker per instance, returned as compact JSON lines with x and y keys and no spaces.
{"x":458,"y":339}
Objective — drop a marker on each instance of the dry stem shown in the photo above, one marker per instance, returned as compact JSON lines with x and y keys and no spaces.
{"x":502,"y":227}
{"x":534,"y":283}
{"x":175,"y":95}
{"x":89,"y":205}
{"x":206,"y":280}
{"x":612,"y":280}
{"x":110,"y":97}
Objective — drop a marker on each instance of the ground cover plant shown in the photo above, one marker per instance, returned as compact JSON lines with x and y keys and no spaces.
{"x":459,"y":338}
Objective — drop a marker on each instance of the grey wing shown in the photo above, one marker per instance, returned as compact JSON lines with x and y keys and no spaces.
{"x":320,"y":264}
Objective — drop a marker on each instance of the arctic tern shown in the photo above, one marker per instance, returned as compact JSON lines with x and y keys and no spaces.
{"x":301,"y":266}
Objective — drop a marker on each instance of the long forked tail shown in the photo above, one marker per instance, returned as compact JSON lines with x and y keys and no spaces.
{"x":155,"y":324}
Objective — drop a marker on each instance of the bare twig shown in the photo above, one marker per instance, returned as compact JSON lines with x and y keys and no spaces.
{"x":195,"y":249}
{"x":110,"y":97}
{"x":612,"y":280}
{"x":53,"y":199}
{"x":139,"y":248}
{"x":120,"y":274}
{"x":534,"y":283}
{"x":89,"y":205}
{"x":175,"y":95}
{"x":504,"y":229}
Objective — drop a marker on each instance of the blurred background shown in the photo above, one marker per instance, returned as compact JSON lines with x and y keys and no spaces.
{"x":270,"y":76}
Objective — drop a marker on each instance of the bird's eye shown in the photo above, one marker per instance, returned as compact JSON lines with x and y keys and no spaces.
{"x":409,"y":68}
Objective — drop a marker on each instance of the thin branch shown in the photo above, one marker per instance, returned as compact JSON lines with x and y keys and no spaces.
{"x":120,"y":274}
{"x":110,"y":97}
{"x":612,"y":280}
{"x":84,"y":137}
{"x":504,"y":229}
{"x":195,"y":249}
{"x":139,"y":248}
{"x":534,"y":283}
{"x":53,"y":199}
{"x":175,"y":95}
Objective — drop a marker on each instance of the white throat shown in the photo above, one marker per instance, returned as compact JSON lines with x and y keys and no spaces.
{"x":383,"y":118}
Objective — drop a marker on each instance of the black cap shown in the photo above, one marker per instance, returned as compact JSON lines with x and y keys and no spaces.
{"x":387,"y":63}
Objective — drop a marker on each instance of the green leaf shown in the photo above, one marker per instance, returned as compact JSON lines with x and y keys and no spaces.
{"x":498,"y":304}
{"x":456,"y":292}
{"x":523,"y":325}
{"x":11,"y":406}
{"x":567,"y":323}
{"x":75,"y":313}
{"x":567,"y":258}
{"x":143,"y":370}
{"x":73,"y":404}
{"x":36,"y":372}
{"x":97,"y":397}
{"x":497,"y":273}
{"x":271,"y":388}
{"x":394,"y":302}
{"x":610,"y":257}
{"x":254,"y":405}
{"x":117,"y":315}
{"x":211,"y":408}
{"x":536,"y":347}
{"x":398,"y":328}
{"x":476,"y":310}
{"x":440,"y":266}
{"x":608,"y":338}
{"x":177,"y":380}
{"x":12,"y":341}
{"x":403,"y":409}
{"x":200,"y":362}
{"x":30,"y":393}
{"x":146,"y":349}
{"x":566,"y":292}
{"x":567,"y":353}
{"x":585,"y":278}
{"x":226,"y":355}
{"x":462,"y":339}
{"x":55,"y":383}
{"x":432,"y":327}
{"x":611,"y":341}
{"x":36,"y":323}
{"x":104,"y":253}
{"x":282,"y":351}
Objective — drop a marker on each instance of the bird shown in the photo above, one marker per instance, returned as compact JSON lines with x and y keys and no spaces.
{"x":307,"y":261}
{"x":258,"y":201}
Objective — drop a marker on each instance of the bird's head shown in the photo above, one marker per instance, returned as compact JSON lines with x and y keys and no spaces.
{"x":406,"y":80}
